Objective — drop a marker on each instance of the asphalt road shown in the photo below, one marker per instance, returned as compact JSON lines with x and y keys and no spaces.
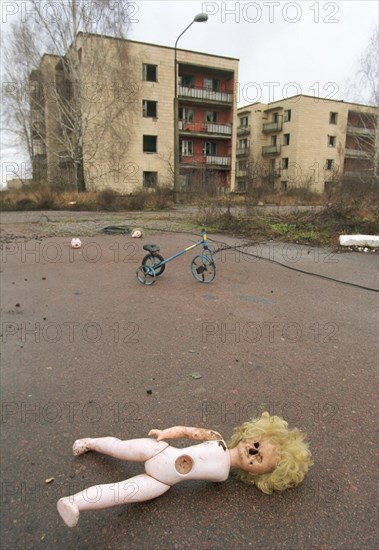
{"x":88,"y":351}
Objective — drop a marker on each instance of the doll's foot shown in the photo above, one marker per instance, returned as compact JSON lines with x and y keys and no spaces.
{"x":81,"y":446}
{"x":68,"y":511}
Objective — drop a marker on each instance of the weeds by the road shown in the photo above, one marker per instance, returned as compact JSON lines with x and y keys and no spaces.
{"x":314,"y":226}
{"x":321,"y":222}
{"x":45,"y":197}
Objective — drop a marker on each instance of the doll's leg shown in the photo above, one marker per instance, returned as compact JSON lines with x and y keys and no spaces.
{"x":135,"y":489}
{"x":137,"y":450}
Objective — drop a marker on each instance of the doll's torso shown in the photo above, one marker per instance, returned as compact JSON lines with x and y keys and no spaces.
{"x":207,"y":461}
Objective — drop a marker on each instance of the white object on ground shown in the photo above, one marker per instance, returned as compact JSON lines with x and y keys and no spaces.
{"x":76,"y":243}
{"x":360,"y":240}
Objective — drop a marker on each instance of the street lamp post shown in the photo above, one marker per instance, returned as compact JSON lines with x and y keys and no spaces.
{"x":200,"y":18}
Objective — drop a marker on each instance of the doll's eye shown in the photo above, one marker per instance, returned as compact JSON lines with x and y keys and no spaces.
{"x":253,"y":452}
{"x":256,"y":445}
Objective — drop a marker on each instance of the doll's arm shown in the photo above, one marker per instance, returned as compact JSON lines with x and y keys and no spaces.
{"x":200,"y":434}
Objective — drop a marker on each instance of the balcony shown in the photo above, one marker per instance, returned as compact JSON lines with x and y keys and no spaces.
{"x":358,"y":131}
{"x":243,"y":130}
{"x":219,"y":161}
{"x":201,"y":160}
{"x":242,"y":151}
{"x":271,"y":150}
{"x":222,"y":130}
{"x":205,"y":95}
{"x":368,"y":173}
{"x":269,"y":127}
{"x":357,"y":153}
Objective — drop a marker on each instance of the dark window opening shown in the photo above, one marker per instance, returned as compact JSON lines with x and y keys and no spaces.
{"x":149,"y":144}
{"x":187,"y":81}
{"x":149,"y":108}
{"x":149,"y":72}
{"x":150,"y":179}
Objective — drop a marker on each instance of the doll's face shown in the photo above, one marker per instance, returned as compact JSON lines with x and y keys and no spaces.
{"x":257,"y":457}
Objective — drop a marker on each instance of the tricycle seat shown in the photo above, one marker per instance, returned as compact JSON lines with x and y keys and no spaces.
{"x":151,"y":248}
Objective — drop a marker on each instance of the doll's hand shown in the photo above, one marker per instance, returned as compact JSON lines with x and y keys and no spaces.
{"x":158,"y":434}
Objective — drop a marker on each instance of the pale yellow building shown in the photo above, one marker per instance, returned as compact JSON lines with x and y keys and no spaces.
{"x":121,"y":92}
{"x":304,"y":141}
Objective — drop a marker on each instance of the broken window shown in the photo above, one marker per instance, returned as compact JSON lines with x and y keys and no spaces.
{"x":149,"y":108}
{"x":149,"y":72}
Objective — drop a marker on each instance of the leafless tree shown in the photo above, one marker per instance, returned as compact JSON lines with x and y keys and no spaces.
{"x":72,"y":78}
{"x":365,"y":89}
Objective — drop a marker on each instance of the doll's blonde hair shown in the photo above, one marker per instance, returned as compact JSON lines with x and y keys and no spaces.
{"x":295,"y":457}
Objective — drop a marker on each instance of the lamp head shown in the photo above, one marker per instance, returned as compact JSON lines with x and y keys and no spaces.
{"x":200,"y":18}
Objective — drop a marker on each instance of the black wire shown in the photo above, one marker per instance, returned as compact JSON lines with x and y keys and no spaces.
{"x":297,"y":269}
{"x":125,"y":229}
{"x":289,"y":266}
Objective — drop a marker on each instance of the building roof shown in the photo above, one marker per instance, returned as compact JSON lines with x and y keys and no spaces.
{"x":272,"y":104}
{"x":156,"y":45}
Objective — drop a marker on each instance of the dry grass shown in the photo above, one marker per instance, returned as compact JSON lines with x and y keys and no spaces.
{"x":342,"y":212}
{"x":45,"y":197}
{"x":347,"y":215}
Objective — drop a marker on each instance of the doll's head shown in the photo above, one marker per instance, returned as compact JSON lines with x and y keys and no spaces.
{"x":270,"y":439}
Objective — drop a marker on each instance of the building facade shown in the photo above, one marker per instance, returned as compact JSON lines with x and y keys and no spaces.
{"x":307,"y":142}
{"x":103,"y":116}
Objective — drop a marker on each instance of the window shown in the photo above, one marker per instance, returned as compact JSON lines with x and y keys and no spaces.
{"x":211,"y":116}
{"x":287,"y":115}
{"x":149,"y":144}
{"x":331,"y":141}
{"x":149,"y":108}
{"x":209,"y":149}
{"x":211,"y":84}
{"x":37,"y":115}
{"x":273,"y":140}
{"x":329,"y":164}
{"x":244,"y":122}
{"x":38,"y":148}
{"x":150,"y":179}
{"x":187,"y":80}
{"x":186,"y":114}
{"x":275,"y":117}
{"x":286,"y":139}
{"x":283,"y":186}
{"x":149,"y":72}
{"x":242,"y":165}
{"x":333,"y":118}
{"x":187,"y":148}
{"x":242,"y":143}
{"x":285,"y":163}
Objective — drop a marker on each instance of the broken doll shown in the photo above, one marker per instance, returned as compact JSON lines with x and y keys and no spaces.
{"x":263,"y":452}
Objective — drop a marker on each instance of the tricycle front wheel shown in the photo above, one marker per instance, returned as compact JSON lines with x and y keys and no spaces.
{"x":203,"y":269}
{"x":146,"y":275}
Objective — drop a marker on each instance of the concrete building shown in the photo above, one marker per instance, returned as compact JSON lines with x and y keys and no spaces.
{"x":103,"y":116}
{"x":304,"y":141}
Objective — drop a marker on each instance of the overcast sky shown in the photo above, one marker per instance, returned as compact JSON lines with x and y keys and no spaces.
{"x":284,"y":47}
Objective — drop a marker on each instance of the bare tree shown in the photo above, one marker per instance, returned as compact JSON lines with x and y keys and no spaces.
{"x":77,"y":83}
{"x":363,"y":127}
{"x":368,"y":70}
